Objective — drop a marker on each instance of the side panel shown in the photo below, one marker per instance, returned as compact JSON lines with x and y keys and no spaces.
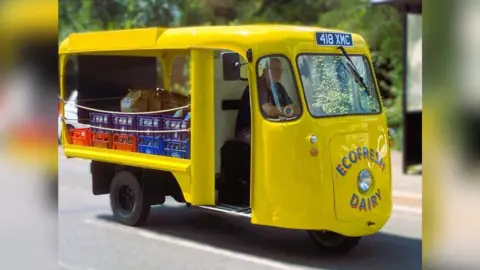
{"x":291,"y":188}
{"x":364,"y":146}
{"x":179,"y":168}
{"x":202,"y":128}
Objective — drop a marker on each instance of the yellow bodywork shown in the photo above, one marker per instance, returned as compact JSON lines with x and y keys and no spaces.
{"x":291,"y":188}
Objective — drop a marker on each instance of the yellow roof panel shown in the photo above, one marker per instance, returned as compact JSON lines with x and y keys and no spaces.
{"x":238,"y":38}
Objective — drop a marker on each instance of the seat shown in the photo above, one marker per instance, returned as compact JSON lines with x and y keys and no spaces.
{"x":234,"y":184}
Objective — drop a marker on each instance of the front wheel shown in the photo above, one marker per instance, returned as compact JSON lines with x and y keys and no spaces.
{"x":128,"y":199}
{"x":333,"y":243}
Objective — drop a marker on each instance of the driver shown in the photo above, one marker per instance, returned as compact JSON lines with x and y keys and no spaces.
{"x":268,"y":83}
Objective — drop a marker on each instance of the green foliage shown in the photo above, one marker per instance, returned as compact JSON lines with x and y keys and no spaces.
{"x":326,"y":89}
{"x":94,"y":15}
{"x":398,"y":139}
{"x":332,"y":88}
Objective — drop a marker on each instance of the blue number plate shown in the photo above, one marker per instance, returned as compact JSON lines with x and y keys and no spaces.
{"x":334,"y":39}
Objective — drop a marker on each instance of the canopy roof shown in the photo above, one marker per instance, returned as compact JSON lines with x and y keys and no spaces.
{"x":235,"y":38}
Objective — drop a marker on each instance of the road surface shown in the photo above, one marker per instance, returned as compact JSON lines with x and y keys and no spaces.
{"x":177,"y":237}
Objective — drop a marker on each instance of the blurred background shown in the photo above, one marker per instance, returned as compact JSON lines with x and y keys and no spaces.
{"x":29,"y":154}
{"x":31,"y":30}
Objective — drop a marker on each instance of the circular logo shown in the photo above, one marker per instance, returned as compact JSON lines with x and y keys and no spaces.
{"x":288,"y":110}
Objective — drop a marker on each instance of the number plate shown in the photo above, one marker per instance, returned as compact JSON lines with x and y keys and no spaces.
{"x":334,"y":39}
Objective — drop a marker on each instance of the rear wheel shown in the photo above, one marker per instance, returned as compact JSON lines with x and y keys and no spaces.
{"x":128,"y":200}
{"x":333,"y":243}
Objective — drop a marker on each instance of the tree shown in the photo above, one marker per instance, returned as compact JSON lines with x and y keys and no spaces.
{"x":93,"y":15}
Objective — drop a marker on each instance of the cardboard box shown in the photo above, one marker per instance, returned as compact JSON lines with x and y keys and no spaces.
{"x":135,"y":101}
{"x":173,"y":100}
{"x":154,"y":101}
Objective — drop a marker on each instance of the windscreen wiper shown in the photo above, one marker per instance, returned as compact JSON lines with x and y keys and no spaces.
{"x":354,"y":69}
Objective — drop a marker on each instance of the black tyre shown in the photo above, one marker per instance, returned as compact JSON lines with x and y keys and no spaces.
{"x":333,"y":243}
{"x":127,"y":199}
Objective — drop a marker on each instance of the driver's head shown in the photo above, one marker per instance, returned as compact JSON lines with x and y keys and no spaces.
{"x":273,"y":70}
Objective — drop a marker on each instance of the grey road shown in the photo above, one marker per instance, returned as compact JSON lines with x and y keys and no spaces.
{"x":176,"y":237}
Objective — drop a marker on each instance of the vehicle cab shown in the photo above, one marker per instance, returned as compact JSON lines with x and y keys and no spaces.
{"x":327,"y":151}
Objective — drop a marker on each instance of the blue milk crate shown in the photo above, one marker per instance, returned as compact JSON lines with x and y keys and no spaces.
{"x":150,"y":145}
{"x":178,"y":149}
{"x":100,"y":120}
{"x":124,"y":122}
{"x":150,"y":123}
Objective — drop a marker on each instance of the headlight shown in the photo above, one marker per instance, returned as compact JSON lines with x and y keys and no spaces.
{"x":364,"y":181}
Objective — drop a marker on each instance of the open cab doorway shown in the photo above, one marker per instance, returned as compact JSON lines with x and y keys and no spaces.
{"x":232,"y":154}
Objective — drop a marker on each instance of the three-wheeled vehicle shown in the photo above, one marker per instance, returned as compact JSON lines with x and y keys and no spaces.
{"x":286,"y":126}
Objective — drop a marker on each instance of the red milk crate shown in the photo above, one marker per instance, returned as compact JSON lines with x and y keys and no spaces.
{"x":80,"y":136}
{"x":102,"y":140}
{"x":125,"y":142}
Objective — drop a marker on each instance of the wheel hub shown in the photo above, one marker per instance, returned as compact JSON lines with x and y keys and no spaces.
{"x":126,"y":198}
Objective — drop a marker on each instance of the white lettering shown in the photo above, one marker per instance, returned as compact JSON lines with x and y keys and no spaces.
{"x":322,"y":38}
{"x":337,"y":38}
{"x":347,"y":40}
{"x":330,"y":39}
{"x":334,"y":39}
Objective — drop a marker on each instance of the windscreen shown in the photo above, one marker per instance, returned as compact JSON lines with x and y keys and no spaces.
{"x":331,"y":88}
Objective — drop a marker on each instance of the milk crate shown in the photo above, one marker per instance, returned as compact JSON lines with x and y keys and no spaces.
{"x":150,"y":145}
{"x":150,"y":123}
{"x":170,"y":123}
{"x":100,"y":120}
{"x":123,"y":122}
{"x":125,"y":142}
{"x":178,"y":149}
{"x":102,"y":140}
{"x":80,"y":136}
